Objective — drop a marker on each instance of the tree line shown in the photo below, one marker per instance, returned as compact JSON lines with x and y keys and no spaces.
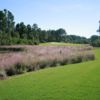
{"x":19,"y":33}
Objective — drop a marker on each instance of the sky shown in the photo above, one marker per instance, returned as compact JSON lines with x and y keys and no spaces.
{"x":77,"y":17}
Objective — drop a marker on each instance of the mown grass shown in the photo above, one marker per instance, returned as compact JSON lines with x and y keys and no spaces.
{"x":69,"y":82}
{"x":58,"y":44}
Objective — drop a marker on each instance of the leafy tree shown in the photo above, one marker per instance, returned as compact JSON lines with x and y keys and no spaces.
{"x":2,"y":21}
{"x":29,"y":32}
{"x":60,"y":33}
{"x":93,"y":38}
{"x":95,"y":41}
{"x":22,"y":30}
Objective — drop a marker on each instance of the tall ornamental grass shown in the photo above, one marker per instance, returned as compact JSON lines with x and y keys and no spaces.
{"x":32,"y":58}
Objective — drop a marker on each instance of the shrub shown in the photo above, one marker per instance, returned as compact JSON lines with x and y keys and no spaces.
{"x":2,"y":75}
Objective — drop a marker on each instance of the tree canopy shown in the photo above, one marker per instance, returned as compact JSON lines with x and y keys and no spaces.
{"x":19,"y":33}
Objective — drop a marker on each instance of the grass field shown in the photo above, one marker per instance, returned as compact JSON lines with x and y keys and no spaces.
{"x":69,"y":82}
{"x":58,"y":44}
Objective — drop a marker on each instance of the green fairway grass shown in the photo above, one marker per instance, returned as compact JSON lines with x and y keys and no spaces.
{"x":58,"y":44}
{"x":69,"y":82}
